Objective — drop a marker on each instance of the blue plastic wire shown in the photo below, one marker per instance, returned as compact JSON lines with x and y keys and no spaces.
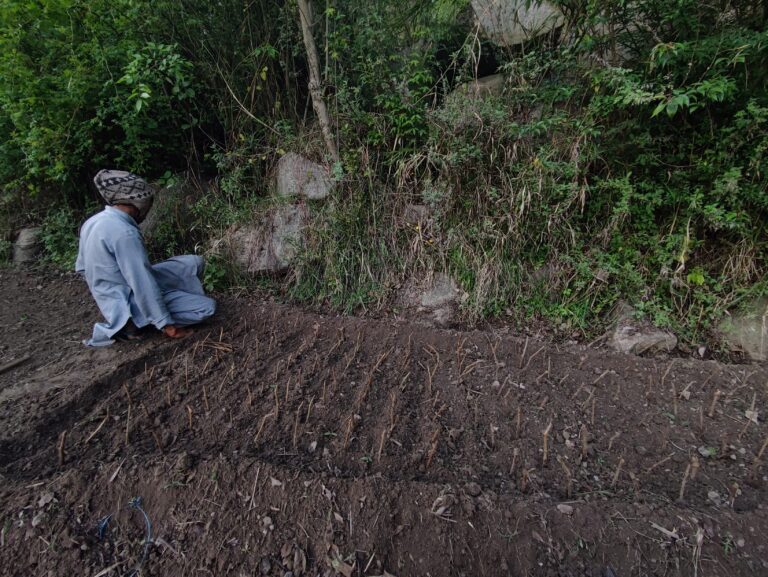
{"x":103,"y":524}
{"x":135,"y":503}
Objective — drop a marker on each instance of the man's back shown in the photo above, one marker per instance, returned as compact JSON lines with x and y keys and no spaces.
{"x":97,"y":239}
{"x":115,"y":264}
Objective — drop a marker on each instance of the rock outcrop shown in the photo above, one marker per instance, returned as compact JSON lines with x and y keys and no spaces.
{"x":299,"y":176}
{"x":511,"y":22}
{"x":172,"y":204}
{"x":747,"y":331}
{"x":269,"y":246}
{"x":436,"y":299}
{"x":639,"y":337}
{"x":27,"y":246}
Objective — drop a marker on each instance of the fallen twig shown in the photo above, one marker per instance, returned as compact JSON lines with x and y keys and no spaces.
{"x":97,"y":429}
{"x":546,"y":442}
{"x":14,"y":364}
{"x":62,"y":441}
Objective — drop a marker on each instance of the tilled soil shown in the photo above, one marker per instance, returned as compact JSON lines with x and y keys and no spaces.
{"x":280,"y":442}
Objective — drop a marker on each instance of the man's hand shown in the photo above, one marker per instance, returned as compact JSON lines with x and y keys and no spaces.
{"x":175,"y":332}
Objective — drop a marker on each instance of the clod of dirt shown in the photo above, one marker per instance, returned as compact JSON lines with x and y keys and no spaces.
{"x":265,"y":566}
{"x":294,"y":559}
{"x":285,"y":552}
{"x":473,"y":489}
{"x":442,"y":505}
{"x":184,"y":463}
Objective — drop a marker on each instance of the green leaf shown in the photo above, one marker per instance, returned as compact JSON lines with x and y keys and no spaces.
{"x":671,"y":108}
{"x":696,"y":277}
{"x":659,"y":109}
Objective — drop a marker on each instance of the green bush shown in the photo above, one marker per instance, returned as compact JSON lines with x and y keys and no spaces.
{"x":625,"y":160}
{"x":59,"y":238}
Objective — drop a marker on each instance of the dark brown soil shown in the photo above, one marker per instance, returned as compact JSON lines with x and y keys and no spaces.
{"x":280,"y":442}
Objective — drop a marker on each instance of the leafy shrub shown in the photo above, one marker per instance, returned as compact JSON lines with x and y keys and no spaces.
{"x":625,"y":159}
{"x":6,"y":249}
{"x":59,"y":238}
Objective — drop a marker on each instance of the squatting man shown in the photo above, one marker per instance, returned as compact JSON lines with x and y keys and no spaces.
{"x":131,"y":293}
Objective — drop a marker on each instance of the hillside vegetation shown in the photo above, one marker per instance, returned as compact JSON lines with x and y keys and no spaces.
{"x":625,"y":158}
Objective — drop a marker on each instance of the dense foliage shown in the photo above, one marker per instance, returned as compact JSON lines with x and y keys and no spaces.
{"x":625,"y":158}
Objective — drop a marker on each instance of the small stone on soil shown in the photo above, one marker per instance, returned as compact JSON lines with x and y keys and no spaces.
{"x":565,"y":509}
{"x":265,"y":565}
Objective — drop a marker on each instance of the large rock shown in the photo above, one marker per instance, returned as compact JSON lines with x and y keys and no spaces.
{"x":437,"y":298}
{"x":299,"y":176}
{"x":416,"y":214}
{"x":272,"y":245}
{"x":639,"y":337}
{"x":747,"y":331}
{"x":511,"y":22}
{"x":27,"y":246}
{"x":440,"y":292}
{"x":481,"y":88}
{"x":172,"y":205}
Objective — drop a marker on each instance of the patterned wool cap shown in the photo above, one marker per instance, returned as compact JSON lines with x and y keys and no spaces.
{"x":121,"y":187}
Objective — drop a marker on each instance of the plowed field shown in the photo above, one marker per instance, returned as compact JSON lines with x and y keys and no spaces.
{"x":281,"y":442}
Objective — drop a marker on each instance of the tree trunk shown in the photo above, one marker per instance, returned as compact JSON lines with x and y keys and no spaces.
{"x":315,"y":88}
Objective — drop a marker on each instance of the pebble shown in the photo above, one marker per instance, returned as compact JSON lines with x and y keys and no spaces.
{"x":265,"y":565}
{"x":706,"y":452}
{"x":473,"y":489}
{"x":565,"y":509}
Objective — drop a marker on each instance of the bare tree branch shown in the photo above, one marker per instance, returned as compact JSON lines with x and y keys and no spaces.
{"x":315,"y":87}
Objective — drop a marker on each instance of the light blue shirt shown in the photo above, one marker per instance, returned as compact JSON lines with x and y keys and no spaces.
{"x":115,"y":264}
